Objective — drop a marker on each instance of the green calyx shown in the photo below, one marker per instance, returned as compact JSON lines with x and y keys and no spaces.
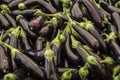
{"x":62,"y":38}
{"x":98,"y":5}
{"x":117,"y":4}
{"x":106,"y":21}
{"x":108,"y":61}
{"x":74,"y":42}
{"x":65,"y":3}
{"x":92,"y":60}
{"x":49,"y":53}
{"x":117,"y":77}
{"x":110,"y":36}
{"x":38,"y":13}
{"x":16,"y":31}
{"x":22,"y":33}
{"x":18,"y":17}
{"x":54,"y":21}
{"x":66,"y":11}
{"x":56,"y":40}
{"x":9,"y":76}
{"x":83,"y":71}
{"x":5,"y":8}
{"x":67,"y":75}
{"x":21,"y":6}
{"x":116,"y":70}
{"x":86,"y":24}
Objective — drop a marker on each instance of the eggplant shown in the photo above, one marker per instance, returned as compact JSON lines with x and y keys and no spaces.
{"x":10,"y":19}
{"x":72,"y":56}
{"x":109,"y":7}
{"x":116,"y":19}
{"x":24,"y":41}
{"x":91,"y":41}
{"x":4,"y":21}
{"x":13,"y":5}
{"x":50,"y":68}
{"x":24,"y":12}
{"x":24,"y":24}
{"x":75,"y":11}
{"x":4,"y":62}
{"x":47,"y":6}
{"x":92,"y":11}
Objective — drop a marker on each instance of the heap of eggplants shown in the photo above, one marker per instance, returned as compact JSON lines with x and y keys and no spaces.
{"x":59,"y":40}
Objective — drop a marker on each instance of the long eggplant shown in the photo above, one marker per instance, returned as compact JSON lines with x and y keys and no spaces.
{"x":95,"y":16}
{"x":47,"y":6}
{"x":87,"y":36}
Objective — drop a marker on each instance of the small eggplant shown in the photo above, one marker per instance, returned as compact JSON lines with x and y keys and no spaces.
{"x":24,"y":40}
{"x":4,"y":63}
{"x":92,"y":41}
{"x":46,"y":5}
{"x":36,"y":22}
{"x":10,"y":19}
{"x":26,"y":12}
{"x":50,"y":69}
{"x":4,"y":21}
{"x":75,"y":11}
{"x":24,"y":24}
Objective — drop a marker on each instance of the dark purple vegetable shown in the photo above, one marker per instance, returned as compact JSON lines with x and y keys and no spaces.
{"x":75,"y":11}
{"x":88,"y":37}
{"x":24,"y":24}
{"x":4,"y":21}
{"x":47,"y":6}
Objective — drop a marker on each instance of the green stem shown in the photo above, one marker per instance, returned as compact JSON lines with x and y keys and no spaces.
{"x":67,"y":75}
{"x":111,"y":36}
{"x":105,"y":20}
{"x":1,"y":36}
{"x":56,"y":41}
{"x":16,"y":31}
{"x":38,"y":12}
{"x":18,"y":17}
{"x":110,"y":2}
{"x":9,"y":76}
{"x":117,"y":4}
{"x":83,"y":71}
{"x":108,"y":61}
{"x":62,"y":37}
{"x":74,"y":42}
{"x":92,"y":60}
{"x":116,"y":70}
{"x":22,"y":33}
{"x":117,"y":77}
{"x":49,"y":53}
{"x":98,"y":6}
